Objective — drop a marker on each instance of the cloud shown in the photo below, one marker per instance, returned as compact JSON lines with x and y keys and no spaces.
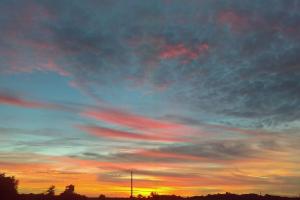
{"x":12,"y":100}
{"x":236,"y":21}
{"x":165,"y":155}
{"x":125,"y":135}
{"x":251,"y":75}
{"x":180,"y":51}
{"x":214,"y":151}
{"x":218,"y":150}
{"x":130,"y":120}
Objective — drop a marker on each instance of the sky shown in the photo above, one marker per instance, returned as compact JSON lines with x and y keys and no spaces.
{"x":195,"y":97}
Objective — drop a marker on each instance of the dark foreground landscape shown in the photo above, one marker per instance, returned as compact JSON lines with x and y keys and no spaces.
{"x":9,"y":191}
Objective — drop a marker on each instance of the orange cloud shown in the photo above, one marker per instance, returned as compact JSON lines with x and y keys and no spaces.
{"x":92,"y":177}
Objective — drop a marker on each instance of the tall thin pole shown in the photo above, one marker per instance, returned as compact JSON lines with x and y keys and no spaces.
{"x":131,"y":191}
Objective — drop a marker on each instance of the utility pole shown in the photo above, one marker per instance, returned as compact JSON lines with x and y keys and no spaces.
{"x":131,"y":186}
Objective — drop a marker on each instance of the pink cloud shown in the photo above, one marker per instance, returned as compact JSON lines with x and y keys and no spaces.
{"x":130,"y":120}
{"x":17,"y":101}
{"x":43,"y":54}
{"x":240,"y":22}
{"x":44,"y":58}
{"x":174,"y":51}
{"x":182,"y":51}
{"x":118,"y":134}
{"x":52,"y":66}
{"x":236,"y":21}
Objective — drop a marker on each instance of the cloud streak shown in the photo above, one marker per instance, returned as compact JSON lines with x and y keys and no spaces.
{"x":125,"y":135}
{"x":13,"y":100}
{"x":128,"y":119}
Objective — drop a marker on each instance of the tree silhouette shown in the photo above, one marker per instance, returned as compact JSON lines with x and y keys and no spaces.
{"x":69,"y":194}
{"x":51,"y":191}
{"x":154,"y":194}
{"x":8,"y":187}
{"x":69,"y":190}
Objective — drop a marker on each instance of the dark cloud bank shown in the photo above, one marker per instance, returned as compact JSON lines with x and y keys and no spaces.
{"x":230,"y":58}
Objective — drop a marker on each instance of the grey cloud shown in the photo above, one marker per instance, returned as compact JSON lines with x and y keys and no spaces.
{"x":251,"y":69}
{"x":218,"y":150}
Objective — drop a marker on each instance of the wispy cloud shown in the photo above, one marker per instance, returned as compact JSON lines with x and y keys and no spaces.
{"x":128,"y":119}
{"x":119,"y":134}
{"x":180,"y":51}
{"x":13,"y":100}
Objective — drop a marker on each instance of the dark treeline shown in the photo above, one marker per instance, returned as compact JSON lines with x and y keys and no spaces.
{"x":9,"y":191}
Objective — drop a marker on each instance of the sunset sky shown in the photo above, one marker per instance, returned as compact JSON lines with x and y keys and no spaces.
{"x":195,"y":97}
